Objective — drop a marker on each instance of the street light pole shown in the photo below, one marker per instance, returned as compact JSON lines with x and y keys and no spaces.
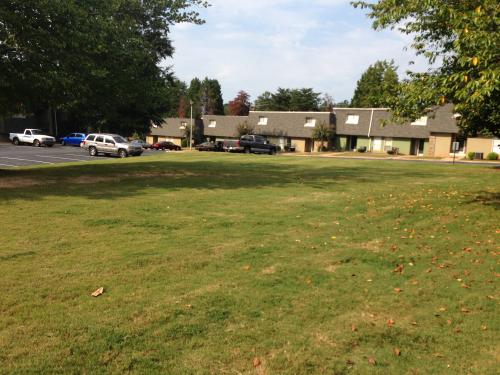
{"x":191,"y":127}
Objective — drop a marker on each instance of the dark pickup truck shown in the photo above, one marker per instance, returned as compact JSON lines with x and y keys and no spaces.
{"x":251,"y":144}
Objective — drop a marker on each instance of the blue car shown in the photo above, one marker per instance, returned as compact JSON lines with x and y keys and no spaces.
{"x":73,"y":139}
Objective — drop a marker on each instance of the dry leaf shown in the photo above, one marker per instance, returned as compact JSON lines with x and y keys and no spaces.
{"x":399,"y":269}
{"x":246,"y":268}
{"x":397,"y":351}
{"x":372,"y":361}
{"x":465,"y":310}
{"x":256,"y":362}
{"x":457,"y":330}
{"x":390,"y":322}
{"x":354,"y":328}
{"x":484,"y":328}
{"x":442,"y":309}
{"x":398,"y":290}
{"x":98,"y":292}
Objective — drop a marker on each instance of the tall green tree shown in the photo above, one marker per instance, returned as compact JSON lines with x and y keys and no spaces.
{"x":304,"y":99}
{"x":377,"y":85}
{"x":206,"y":96}
{"x":462,"y":40}
{"x":98,"y":60}
{"x":322,"y":133}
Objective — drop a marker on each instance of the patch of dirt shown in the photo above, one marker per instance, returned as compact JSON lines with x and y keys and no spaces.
{"x":331,"y":268}
{"x":269,"y":270}
{"x":17,"y":182}
{"x":373,"y":245}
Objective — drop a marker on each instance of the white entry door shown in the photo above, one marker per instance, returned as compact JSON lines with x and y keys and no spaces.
{"x":377,"y":144}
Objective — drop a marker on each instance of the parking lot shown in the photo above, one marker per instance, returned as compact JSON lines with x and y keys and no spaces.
{"x":21,"y":156}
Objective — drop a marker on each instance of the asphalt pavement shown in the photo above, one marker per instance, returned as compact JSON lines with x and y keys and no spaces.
{"x":25,"y":155}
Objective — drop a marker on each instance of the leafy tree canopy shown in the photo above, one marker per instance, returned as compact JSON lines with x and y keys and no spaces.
{"x":96,"y":59}
{"x":206,"y":96}
{"x":304,"y":99}
{"x":462,"y":40}
{"x":377,"y":86}
{"x":240,"y":105}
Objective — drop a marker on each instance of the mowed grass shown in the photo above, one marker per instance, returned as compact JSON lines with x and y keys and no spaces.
{"x":227,"y":264}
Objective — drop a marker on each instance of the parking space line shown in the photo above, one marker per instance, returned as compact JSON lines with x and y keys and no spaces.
{"x":33,"y":161}
{"x":57,"y":157}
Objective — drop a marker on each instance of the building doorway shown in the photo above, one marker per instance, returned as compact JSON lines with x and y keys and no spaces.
{"x":417,"y":147}
{"x":352,"y":143}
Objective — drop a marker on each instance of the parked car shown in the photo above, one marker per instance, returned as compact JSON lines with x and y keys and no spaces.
{"x":142,"y":143}
{"x":73,"y":139}
{"x":166,"y":145}
{"x":210,"y":146}
{"x":251,"y":144}
{"x":33,"y":137}
{"x":109,"y":144}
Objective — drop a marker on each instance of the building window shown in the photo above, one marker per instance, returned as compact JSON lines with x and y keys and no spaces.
{"x":352,"y":119}
{"x":310,"y":122}
{"x":183,"y":125}
{"x":262,"y":120}
{"x":422,"y":121}
{"x":212,"y":124}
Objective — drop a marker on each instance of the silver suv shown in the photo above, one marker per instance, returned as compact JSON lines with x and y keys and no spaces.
{"x":110,"y":144}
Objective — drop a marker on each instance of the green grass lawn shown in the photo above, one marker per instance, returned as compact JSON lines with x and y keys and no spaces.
{"x":227,"y":264}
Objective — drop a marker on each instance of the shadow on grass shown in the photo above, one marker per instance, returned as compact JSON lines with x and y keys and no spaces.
{"x":116,"y":179}
{"x":487,"y":198}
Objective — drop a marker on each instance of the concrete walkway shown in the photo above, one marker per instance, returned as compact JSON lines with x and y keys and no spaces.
{"x":406,"y":158}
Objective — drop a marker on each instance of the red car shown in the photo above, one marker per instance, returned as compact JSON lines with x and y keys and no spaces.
{"x":165,"y":145}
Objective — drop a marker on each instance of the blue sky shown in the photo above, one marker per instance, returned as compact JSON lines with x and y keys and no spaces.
{"x":261,"y":45}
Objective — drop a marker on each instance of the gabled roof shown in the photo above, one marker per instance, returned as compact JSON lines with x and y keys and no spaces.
{"x":439,"y":121}
{"x":288,"y":124}
{"x":225,"y":126}
{"x":171,"y":127}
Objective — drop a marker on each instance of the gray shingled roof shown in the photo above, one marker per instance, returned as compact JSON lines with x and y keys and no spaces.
{"x":171,"y":127}
{"x":440,"y":121}
{"x":225,"y":125}
{"x":291,"y":124}
{"x":288,"y":124}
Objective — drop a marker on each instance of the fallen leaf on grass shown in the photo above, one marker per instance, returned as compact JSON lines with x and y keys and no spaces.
{"x":429,"y":270}
{"x":372,"y":361}
{"x":246,"y":268}
{"x":397,"y":352}
{"x":390,"y":322}
{"x":457,"y":330}
{"x":442,"y":309}
{"x":399,"y":269}
{"x":465,"y":310}
{"x":256,"y":362}
{"x":484,"y":328}
{"x":354,"y":328}
{"x":398,"y":290}
{"x":98,"y":292}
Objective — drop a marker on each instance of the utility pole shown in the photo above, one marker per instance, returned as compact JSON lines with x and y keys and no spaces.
{"x":191,"y":127}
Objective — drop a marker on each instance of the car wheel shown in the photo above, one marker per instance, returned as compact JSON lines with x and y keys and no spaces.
{"x":122,"y":153}
{"x":93,"y":151}
{"x":16,"y":141}
{"x":36,"y":143}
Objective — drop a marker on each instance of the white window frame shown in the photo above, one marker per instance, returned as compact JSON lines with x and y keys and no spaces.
{"x":262,"y":120}
{"x":310,"y":122}
{"x":183,"y":125}
{"x":212,"y":124}
{"x":422,"y":121}
{"x":352,"y":119}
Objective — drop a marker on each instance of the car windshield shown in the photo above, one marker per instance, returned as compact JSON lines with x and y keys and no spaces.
{"x":119,"y":139}
{"x":36,"y":132}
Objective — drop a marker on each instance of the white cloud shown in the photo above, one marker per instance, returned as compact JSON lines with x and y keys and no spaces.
{"x":265,"y":44}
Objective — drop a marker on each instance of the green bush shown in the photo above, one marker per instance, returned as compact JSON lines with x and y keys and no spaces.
{"x":492,"y":156}
{"x":184,"y":143}
{"x":470,"y":155}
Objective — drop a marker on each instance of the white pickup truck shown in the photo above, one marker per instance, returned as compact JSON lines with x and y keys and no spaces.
{"x":34,"y":137}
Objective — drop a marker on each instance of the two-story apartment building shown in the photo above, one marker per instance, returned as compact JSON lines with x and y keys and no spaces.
{"x":352,"y":128}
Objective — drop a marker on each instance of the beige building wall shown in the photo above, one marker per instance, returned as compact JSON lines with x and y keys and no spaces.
{"x":439,"y":144}
{"x":483,"y":145}
{"x":300,"y":144}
